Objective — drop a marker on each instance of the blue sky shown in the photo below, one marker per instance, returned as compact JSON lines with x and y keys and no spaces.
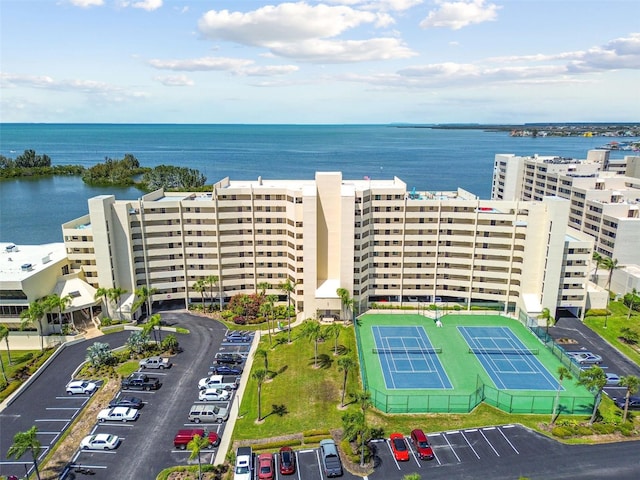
{"x":329,"y":61}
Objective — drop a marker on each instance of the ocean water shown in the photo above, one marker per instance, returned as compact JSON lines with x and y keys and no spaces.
{"x":32,"y":210}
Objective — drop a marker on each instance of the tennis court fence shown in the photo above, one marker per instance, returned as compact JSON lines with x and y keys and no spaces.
{"x":511,"y":403}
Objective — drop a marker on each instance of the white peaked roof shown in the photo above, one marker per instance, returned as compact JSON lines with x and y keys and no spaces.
{"x":82,"y":294}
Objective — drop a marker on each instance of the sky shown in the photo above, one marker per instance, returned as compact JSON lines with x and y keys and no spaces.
{"x":319,"y":62}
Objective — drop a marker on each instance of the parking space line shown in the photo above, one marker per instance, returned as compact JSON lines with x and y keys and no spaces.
{"x":451,"y":446}
{"x":53,"y":420}
{"x":485,"y":437}
{"x":392,"y":455}
{"x":319,"y":463}
{"x":61,"y":408}
{"x":297,"y":457}
{"x":415,"y":457}
{"x":469,"y":443}
{"x":505,"y":437}
{"x":433,"y":447}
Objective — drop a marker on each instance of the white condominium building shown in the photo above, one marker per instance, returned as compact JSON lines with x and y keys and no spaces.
{"x":605,"y":203}
{"x":380,"y":242}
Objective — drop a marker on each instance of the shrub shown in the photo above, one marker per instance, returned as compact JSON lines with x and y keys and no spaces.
{"x":315,"y":432}
{"x":584,"y":430}
{"x":315,"y":438}
{"x":240,"y":320}
{"x":106,"y":322}
{"x":603,"y":428}
{"x":596,"y":312}
{"x":292,"y":442}
{"x":562,"y":432}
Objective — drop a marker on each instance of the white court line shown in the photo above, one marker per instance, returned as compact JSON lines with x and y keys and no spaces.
{"x":505,"y":437}
{"x":485,"y":437}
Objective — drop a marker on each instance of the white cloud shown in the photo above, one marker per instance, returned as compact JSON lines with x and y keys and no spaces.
{"x":86,"y":3}
{"x":148,"y":5}
{"x":202,"y":64}
{"x":175,"y":81}
{"x":236,"y":66}
{"x":456,"y":15}
{"x":345,"y":51}
{"x":381,"y":5}
{"x":90,"y":87}
{"x":301,"y":31}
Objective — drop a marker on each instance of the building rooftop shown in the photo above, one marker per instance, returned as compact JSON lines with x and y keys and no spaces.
{"x":18,"y":262}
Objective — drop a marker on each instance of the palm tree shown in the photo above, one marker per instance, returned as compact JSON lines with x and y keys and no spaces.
{"x":262,"y":352}
{"x":259,"y":376}
{"x":563,"y":373}
{"x":211,"y":281}
{"x":334,"y":331}
{"x":634,"y":293}
{"x":610,"y":264}
{"x":23,"y":441}
{"x":632,"y":384}
{"x":114,"y":295}
{"x":548,"y":318}
{"x":4,"y":374}
{"x":598,"y":259}
{"x":311,"y":329}
{"x":595,"y":380}
{"x":4,"y":335}
{"x":263,"y":286}
{"x":345,"y":364}
{"x":103,"y":293}
{"x":343,"y":294}
{"x":271,"y":300}
{"x":265,"y":311}
{"x":55,"y":302}
{"x":363,"y":399}
{"x":143,"y":296}
{"x":34,"y":313}
{"x":200,"y":287}
{"x":287,"y":287}
{"x":153,"y":322}
{"x":195,"y":446}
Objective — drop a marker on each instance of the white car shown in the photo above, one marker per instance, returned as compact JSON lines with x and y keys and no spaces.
{"x":81,"y":387}
{"x":118,"y":414}
{"x":213,"y":395}
{"x":102,"y":441}
{"x":612,"y":379}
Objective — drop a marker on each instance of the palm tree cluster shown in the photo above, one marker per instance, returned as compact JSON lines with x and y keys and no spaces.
{"x":112,"y":295}
{"x":38,"y":310}
{"x":346,"y":301}
{"x":205,"y":285}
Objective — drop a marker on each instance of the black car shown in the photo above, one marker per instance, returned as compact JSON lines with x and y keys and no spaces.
{"x":228,"y":358}
{"x":634,"y":402}
{"x":238,"y":337}
{"x":226,"y":370}
{"x":126,"y":401}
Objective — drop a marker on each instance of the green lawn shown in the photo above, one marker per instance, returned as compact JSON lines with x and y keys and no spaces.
{"x":615,"y":322}
{"x":311,"y":396}
{"x":24,"y":363}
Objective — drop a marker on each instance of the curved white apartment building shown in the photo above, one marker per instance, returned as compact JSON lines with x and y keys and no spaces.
{"x":373,"y":238}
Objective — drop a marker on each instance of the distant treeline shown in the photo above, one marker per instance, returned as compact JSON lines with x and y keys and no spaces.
{"x":125,"y":172}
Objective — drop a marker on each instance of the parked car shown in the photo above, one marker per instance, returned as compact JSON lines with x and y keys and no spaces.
{"x":81,"y":387}
{"x":585,"y":357}
{"x":213,"y":395}
{"x":183,"y":437}
{"x":612,"y":379}
{"x":217,"y":381}
{"x":237,"y":337}
{"x":331,"y":464}
{"x":265,"y":467}
{"x":228,"y":358}
{"x":399,"y":447}
{"x":118,"y":414}
{"x":101,"y":441}
{"x":421,"y":444}
{"x":244,"y":464}
{"x":126,"y":401}
{"x":226,"y":370}
{"x":139,"y":381}
{"x":634,"y":402}
{"x":287,"y":461}
{"x":200,"y":412}
{"x":155,"y":362}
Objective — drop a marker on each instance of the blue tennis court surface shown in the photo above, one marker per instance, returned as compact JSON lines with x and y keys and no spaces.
{"x":405,"y":361}
{"x":505,"y":359}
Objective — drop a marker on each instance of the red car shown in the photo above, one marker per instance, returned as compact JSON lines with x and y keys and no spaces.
{"x":399,"y":447}
{"x":287,"y":461}
{"x":265,"y":467}
{"x":421,"y":443}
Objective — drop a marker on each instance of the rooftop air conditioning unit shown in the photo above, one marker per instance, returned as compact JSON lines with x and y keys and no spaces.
{"x":26,"y":267}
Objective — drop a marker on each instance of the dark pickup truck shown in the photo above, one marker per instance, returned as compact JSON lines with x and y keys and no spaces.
{"x":139,"y":381}
{"x":331,"y":463}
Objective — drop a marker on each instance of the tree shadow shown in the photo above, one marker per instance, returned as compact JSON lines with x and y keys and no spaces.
{"x":342,"y":350}
{"x":279,"y":410}
{"x":324,"y":361}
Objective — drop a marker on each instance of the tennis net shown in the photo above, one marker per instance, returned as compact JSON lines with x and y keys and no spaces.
{"x":411,"y":351}
{"x":505,"y":351}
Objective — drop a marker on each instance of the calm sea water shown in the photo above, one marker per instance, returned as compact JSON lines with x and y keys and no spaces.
{"x":32,"y":211}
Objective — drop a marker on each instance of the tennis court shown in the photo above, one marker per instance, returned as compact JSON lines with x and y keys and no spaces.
{"x":509,"y":363}
{"x":408,"y":359}
{"x":410,"y":365}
